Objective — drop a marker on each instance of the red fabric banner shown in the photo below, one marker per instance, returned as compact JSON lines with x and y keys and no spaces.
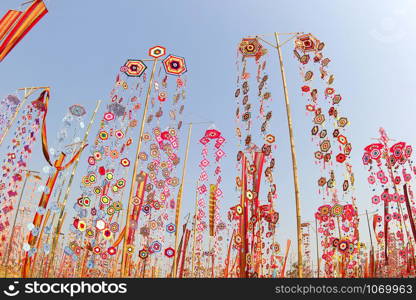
{"x":7,"y":22}
{"x":26,"y":22}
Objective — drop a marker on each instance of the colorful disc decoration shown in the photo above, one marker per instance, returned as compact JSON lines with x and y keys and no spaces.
{"x":157,"y":51}
{"x":250,"y":47}
{"x":134,"y":68}
{"x":77,"y":110}
{"x":174,"y":65}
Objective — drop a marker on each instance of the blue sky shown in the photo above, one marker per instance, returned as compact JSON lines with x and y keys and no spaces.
{"x":80,"y":45}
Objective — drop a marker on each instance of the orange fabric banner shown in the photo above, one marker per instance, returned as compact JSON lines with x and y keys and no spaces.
{"x":26,"y":22}
{"x":42,"y":102}
{"x":7,"y":22}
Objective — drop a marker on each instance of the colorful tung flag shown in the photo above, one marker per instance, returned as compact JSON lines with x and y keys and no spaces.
{"x":7,"y":22}
{"x":15,"y":25}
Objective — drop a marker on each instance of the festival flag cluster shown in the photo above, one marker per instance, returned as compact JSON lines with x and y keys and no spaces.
{"x":390,"y":168}
{"x":110,"y":204}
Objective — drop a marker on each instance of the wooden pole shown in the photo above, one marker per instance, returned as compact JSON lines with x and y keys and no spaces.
{"x":227,"y":261}
{"x":136,"y":164}
{"x":179,"y":200}
{"x":282,"y":273}
{"x":194,"y":230}
{"x":371,"y":258}
{"x":317,"y":248}
{"x":242,"y":226}
{"x":39,"y":242}
{"x":294,"y":163}
{"x":369,"y":230}
{"x":58,"y":233}
{"x":339,"y":228}
{"x":409,"y":211}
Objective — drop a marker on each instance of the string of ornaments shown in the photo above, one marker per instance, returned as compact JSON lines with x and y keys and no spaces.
{"x":16,"y":157}
{"x":98,"y":209}
{"x":333,"y":151}
{"x":253,"y":115}
{"x":210,"y":193}
{"x":160,"y":160}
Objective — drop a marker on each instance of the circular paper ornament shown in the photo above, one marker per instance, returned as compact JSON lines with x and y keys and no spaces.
{"x":250,"y":47}
{"x":157,"y":51}
{"x":134,"y":68}
{"x":174,"y":65}
{"x":77,"y":110}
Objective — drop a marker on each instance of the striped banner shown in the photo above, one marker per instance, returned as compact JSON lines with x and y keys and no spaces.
{"x":8,"y":21}
{"x":26,"y":22}
{"x":212,"y":204}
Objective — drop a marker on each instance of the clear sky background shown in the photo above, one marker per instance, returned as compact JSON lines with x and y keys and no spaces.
{"x":79,"y":46}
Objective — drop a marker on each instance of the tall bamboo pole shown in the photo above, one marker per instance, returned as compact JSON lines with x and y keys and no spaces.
{"x":194,"y":230}
{"x":179,"y":199}
{"x":136,"y":164}
{"x":317,"y":248}
{"x":242,"y":226}
{"x":68,"y":189}
{"x":371,"y":258}
{"x":39,"y":241}
{"x":369,"y":230}
{"x":227,"y":261}
{"x":294,"y":163}
{"x":282,"y":273}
